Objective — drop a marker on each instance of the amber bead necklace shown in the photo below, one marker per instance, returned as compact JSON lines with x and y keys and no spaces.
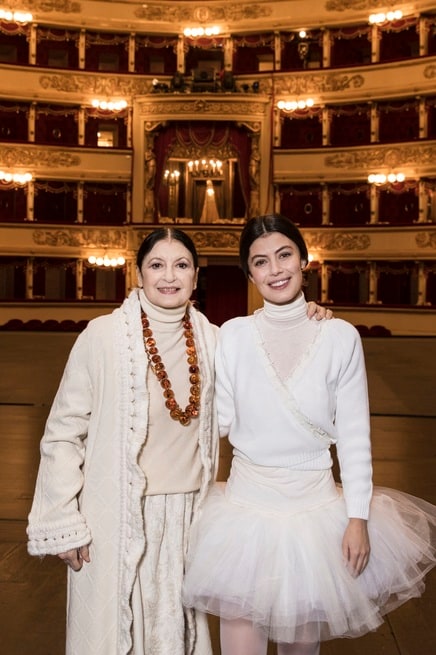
{"x":191,"y":410}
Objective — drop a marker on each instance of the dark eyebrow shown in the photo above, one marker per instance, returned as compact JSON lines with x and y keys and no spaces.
{"x":275,"y":251}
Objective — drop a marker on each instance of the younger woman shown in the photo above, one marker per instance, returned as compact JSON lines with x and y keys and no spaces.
{"x":284,"y":553}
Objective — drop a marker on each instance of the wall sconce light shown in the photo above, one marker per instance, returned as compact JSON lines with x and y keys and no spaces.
{"x":195,"y":32}
{"x":171,"y":177}
{"x":15,"y":178}
{"x":106,"y":261}
{"x":293,"y":105}
{"x":390,"y":16}
{"x":15,"y":16}
{"x":109,"y":105}
{"x":381,"y":178}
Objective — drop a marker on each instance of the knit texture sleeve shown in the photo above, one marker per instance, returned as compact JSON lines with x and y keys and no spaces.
{"x":223,"y":387}
{"x":55,"y":522}
{"x":352,"y":424}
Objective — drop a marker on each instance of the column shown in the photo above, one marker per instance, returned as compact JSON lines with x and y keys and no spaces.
{"x":181,"y":54}
{"x":372,"y":300}
{"x":30,"y":201}
{"x":79,"y":279}
{"x":422,"y":284}
{"x":326,"y":49}
{"x":81,"y":125}
{"x":375,"y":44}
{"x":324,"y":282}
{"x":29,"y":278}
{"x":423,"y":118}
{"x":32,"y":44}
{"x":228,"y":53}
{"x":325,"y":118}
{"x":277,"y":128}
{"x":424,"y":212}
{"x":129,"y":127}
{"x":82,"y":49}
{"x":374,"y":123}
{"x":132,"y":50}
{"x":423,"y":36}
{"x":277,"y":52}
{"x":325,"y":200}
{"x":31,"y":123}
{"x":129,"y":204}
{"x":373,"y":204}
{"x":80,"y":193}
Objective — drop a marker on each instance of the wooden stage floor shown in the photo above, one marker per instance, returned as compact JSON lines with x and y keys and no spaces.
{"x":32,"y":591}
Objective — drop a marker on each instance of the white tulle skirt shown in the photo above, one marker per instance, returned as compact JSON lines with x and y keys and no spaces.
{"x":267,"y":548}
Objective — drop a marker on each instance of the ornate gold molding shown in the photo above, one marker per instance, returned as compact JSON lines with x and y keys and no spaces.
{"x":416,"y":154}
{"x":201,"y":106}
{"x":37,"y":157}
{"x":318,"y":83}
{"x":203,"y":13}
{"x":430,"y":71}
{"x":98,"y":238}
{"x":343,"y":5}
{"x":426,"y":239}
{"x":47,"y":6}
{"x":337,"y":241}
{"x":204,"y":239}
{"x":112,"y":85}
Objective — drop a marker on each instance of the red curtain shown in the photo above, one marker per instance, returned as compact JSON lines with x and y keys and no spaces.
{"x":13,"y":121}
{"x":105,"y":204}
{"x":57,"y":125}
{"x":13,"y":203}
{"x":349,"y":204}
{"x":351,"y":46}
{"x":224,"y":289}
{"x":302,"y":203}
{"x":398,"y":121}
{"x":394,"y":282}
{"x":55,"y":202}
{"x":350,"y":125}
{"x":399,"y":203}
{"x":302,"y":129}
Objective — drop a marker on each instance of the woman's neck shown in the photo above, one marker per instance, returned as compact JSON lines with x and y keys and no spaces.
{"x":169,"y":315}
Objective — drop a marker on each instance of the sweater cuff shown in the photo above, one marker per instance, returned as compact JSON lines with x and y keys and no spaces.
{"x":357,"y":508}
{"x":55,"y":538}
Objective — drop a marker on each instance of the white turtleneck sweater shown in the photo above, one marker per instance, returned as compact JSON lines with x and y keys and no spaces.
{"x":288,"y":387}
{"x":170,"y":457}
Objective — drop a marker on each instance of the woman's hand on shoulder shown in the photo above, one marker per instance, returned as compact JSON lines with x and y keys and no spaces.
{"x":75,"y":557}
{"x":318,"y":312}
{"x":356,"y":546}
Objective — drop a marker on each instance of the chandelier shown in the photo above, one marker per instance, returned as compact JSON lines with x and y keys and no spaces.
{"x":205,"y":167}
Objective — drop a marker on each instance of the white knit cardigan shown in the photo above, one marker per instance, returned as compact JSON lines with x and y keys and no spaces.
{"x":89,"y":487}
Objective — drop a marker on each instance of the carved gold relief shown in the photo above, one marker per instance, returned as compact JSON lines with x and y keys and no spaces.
{"x":98,"y":238}
{"x":110,"y":85}
{"x":193,"y":106}
{"x":343,"y":5}
{"x":202,"y":13}
{"x":317,"y":83}
{"x":338,"y":241}
{"x":204,"y":239}
{"x":47,"y":6}
{"x":391,"y":157}
{"x":426,"y":239}
{"x":430,"y":71}
{"x":36,"y":157}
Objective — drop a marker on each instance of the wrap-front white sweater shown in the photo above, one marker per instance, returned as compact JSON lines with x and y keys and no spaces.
{"x":293,"y":423}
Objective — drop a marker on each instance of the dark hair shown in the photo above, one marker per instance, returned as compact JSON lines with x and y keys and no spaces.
{"x":260,"y":225}
{"x":160,"y":234}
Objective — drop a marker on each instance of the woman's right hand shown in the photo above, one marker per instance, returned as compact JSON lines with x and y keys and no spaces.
{"x":75,"y":558}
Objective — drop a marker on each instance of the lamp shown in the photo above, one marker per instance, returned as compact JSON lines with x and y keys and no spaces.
{"x":171,"y":177}
{"x":15,"y":16}
{"x":206,"y":168}
{"x":15,"y":178}
{"x":381,"y":178}
{"x":390,"y":16}
{"x":196,"y":32}
{"x":293,"y":105}
{"x":106,"y":261}
{"x":109,"y":105}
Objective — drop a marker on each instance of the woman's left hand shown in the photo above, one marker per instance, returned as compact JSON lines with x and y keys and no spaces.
{"x":356,"y":546}
{"x":318,"y":312}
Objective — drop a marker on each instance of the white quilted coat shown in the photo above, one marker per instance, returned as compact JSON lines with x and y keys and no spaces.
{"x":89,"y":487}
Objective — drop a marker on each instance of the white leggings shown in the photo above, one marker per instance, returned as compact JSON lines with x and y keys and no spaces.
{"x":240,"y":637}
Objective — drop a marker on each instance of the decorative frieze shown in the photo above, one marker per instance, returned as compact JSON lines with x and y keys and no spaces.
{"x":426,"y":239}
{"x":98,"y":238}
{"x":337,"y":241}
{"x":37,"y":157}
{"x":104,"y":85}
{"x":317,"y":83}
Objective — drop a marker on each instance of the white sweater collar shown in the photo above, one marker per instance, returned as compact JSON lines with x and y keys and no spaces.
{"x":293,"y":313}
